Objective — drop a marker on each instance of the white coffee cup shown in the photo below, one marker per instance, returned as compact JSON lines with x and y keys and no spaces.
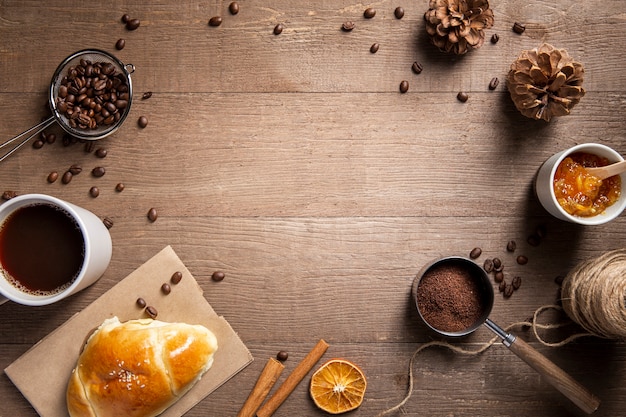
{"x":96,"y":244}
{"x":544,"y":185}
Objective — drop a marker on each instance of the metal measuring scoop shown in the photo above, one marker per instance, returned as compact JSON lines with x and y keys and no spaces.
{"x":91,"y":55}
{"x":554,"y":375}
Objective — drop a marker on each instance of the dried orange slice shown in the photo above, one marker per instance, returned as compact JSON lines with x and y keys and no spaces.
{"x":338,"y":386}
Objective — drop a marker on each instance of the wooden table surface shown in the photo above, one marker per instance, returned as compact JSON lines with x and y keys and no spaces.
{"x":293,"y":163}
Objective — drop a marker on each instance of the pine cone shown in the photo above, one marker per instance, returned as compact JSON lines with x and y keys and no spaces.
{"x":458,"y":25}
{"x":545,"y":82}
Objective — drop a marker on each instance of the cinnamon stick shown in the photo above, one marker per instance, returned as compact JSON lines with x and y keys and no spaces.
{"x":263,"y":385}
{"x":292,"y":381}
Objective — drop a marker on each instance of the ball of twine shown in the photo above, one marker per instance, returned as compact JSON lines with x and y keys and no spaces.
{"x":593,"y":295}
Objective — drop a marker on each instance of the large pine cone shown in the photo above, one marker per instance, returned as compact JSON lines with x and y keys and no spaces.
{"x":545,"y":82}
{"x":458,"y":25}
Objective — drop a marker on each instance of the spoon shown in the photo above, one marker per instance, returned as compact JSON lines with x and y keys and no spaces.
{"x":608,"y":170}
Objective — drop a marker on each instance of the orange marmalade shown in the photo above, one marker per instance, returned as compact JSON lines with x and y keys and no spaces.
{"x":581,"y":193}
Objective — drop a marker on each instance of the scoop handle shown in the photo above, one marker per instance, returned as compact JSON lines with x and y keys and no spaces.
{"x":558,"y":378}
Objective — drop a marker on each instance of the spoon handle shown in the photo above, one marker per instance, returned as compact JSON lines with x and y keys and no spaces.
{"x":558,"y":378}
{"x":608,"y":170}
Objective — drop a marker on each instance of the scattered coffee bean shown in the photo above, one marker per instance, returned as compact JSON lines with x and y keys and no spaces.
{"x":493,"y":84}
{"x":518,"y":28}
{"x":176,"y":277}
{"x":417,"y":67}
{"x":67,"y":177}
{"x":125,"y":18}
{"x":141,"y":302}
{"x":51,"y":138}
{"x":282,"y":355}
{"x":498,"y":276}
{"x":516,"y":283}
{"x":76,"y":169}
{"x":462,"y":96}
{"x":508,"y":291}
{"x":475,"y":253}
{"x":119,"y":187}
{"x":497,"y":263}
{"x":233,"y":8}
{"x":533,"y":240}
{"x":398,"y":12}
{"x":404,"y":86}
{"x":348,"y":26}
{"x":559,"y":279}
{"x":166,"y":289}
{"x":152,"y":312}
{"x":541,"y":231}
{"x":495,"y":38}
{"x":142,"y":121}
{"x":278,"y":29}
{"x":98,"y":172}
{"x":511,"y":246}
{"x":120,"y":44}
{"x":94,"y":192}
{"x":8,"y":194}
{"x":218,"y":276}
{"x":88,"y":146}
{"x":152,"y":214}
{"x":101,"y":152}
{"x":488,"y":265}
{"x":522,"y":260}
{"x":132,"y":24}
{"x":108,"y":223}
{"x":374,"y":48}
{"x":38,"y":144}
{"x":502,"y":286}
{"x":53,"y":176}
{"x":215,"y":21}
{"x":369,"y":13}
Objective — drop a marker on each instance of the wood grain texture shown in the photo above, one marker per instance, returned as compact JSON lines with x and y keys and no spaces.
{"x":292,"y":163}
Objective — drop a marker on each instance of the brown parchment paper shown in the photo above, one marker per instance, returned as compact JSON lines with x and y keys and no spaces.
{"x":42,"y":373}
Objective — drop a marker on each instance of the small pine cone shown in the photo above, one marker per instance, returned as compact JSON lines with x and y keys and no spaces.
{"x":545,"y":82}
{"x":458,"y":25}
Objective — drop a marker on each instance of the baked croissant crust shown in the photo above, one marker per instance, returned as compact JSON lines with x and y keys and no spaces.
{"x":138,"y":368}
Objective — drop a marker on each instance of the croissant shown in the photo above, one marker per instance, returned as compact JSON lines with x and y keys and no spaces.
{"x":138,"y":368}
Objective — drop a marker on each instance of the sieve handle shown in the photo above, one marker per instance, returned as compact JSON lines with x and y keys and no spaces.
{"x":25,"y":137}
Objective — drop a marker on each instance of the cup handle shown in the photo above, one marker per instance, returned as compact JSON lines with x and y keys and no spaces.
{"x":3,"y":299}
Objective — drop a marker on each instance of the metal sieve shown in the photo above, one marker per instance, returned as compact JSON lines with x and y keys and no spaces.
{"x":86,"y":56}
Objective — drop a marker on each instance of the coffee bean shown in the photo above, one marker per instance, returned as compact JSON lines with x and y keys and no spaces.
{"x":166,"y":289}
{"x":94,"y":192}
{"x":495,"y":38}
{"x":176,"y":277}
{"x":88,"y":146}
{"x":541,"y":231}
{"x":146,"y":95}
{"x":67,"y":177}
{"x":152,"y":312}
{"x":140,"y":302}
{"x":404,"y":86}
{"x":398,"y":12}
{"x":119,"y":187}
{"x":76,"y":169}
{"x":348,"y":26}
{"x":125,"y":18}
{"x":369,"y":13}
{"x":51,"y":138}
{"x":233,"y":8}
{"x":417,"y":67}
{"x":374,"y":48}
{"x":518,"y":28}
{"x":493,"y":84}
{"x":215,"y":21}
{"x":108,"y":223}
{"x":508,"y":291}
{"x":511,"y":246}
{"x":132,"y":24}
{"x":498,"y":276}
{"x":533,"y":240}
{"x":8,"y":194}
{"x":152,"y":214}
{"x":218,"y":276}
{"x":475,"y":253}
{"x":522,"y":260}
{"x":502,"y":286}
{"x":142,"y":121}
{"x":278,"y":29}
{"x":516,"y":283}
{"x":462,"y":96}
{"x":101,"y":152}
{"x":282,"y":355}
{"x":38,"y":144}
{"x":53,"y":176}
{"x":120,"y":44}
{"x":98,"y":172}
{"x":488,"y":265}
{"x":497,"y":264}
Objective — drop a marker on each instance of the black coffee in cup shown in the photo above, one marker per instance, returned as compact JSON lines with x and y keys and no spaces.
{"x":42,"y":249}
